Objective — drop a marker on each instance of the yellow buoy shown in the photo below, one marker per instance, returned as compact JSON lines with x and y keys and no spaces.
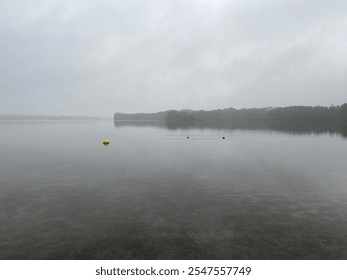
{"x":106,"y":142}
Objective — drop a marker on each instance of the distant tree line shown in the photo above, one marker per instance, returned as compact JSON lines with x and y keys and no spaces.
{"x":175,"y":119}
{"x":271,"y":116}
{"x":190,"y":116}
{"x":303,"y":119}
{"x":296,"y":114}
{"x":294,"y":119}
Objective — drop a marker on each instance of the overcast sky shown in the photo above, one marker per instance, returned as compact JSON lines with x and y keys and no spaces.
{"x":97,"y":57}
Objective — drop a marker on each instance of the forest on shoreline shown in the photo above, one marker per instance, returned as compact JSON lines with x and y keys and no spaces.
{"x":294,"y":119}
{"x":276,"y":116}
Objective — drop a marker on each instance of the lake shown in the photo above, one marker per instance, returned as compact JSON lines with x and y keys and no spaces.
{"x":155,"y":194}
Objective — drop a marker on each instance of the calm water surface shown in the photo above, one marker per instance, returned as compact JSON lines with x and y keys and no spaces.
{"x":154,"y":194}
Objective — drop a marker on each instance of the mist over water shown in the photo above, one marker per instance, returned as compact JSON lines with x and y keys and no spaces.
{"x":154,"y":194}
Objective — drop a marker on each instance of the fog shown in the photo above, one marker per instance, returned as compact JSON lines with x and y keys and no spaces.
{"x":100,"y":57}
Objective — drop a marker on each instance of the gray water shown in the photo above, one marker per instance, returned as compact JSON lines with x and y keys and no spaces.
{"x":154,"y":194}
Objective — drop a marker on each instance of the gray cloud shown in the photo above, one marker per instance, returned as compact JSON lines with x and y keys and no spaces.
{"x":98,"y":57}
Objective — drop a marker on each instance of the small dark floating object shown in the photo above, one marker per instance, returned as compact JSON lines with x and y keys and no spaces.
{"x":187,"y":137}
{"x":106,"y":142}
{"x":223,"y":137}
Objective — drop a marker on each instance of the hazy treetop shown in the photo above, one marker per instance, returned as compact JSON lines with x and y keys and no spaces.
{"x":97,"y":57}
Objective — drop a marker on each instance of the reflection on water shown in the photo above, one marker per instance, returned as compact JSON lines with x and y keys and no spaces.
{"x":154,"y":194}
